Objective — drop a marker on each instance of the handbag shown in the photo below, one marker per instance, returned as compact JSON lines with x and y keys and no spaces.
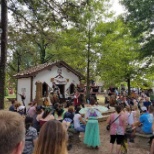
{"x":128,"y":129}
{"x":108,"y":126}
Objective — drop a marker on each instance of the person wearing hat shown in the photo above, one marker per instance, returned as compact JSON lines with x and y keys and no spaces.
{"x":21,"y":110}
{"x":145,"y":120}
{"x":144,"y":125}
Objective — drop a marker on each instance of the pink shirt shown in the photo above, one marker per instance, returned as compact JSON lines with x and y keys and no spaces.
{"x":32,"y":111}
{"x":118,"y":126}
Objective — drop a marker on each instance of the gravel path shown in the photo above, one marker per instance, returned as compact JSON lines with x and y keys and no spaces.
{"x":80,"y":148}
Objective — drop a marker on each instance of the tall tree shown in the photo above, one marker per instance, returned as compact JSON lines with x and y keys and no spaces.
{"x":42,"y":19}
{"x":140,"y":16}
{"x":119,"y":56}
{"x":80,"y":39}
{"x":3,"y":51}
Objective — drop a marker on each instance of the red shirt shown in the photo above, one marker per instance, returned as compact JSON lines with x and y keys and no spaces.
{"x":76,"y":100}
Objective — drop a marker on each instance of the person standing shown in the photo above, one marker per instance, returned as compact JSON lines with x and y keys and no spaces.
{"x":92,"y":137}
{"x":32,"y":109}
{"x":82,"y":100}
{"x":76,"y":99}
{"x":117,"y":129}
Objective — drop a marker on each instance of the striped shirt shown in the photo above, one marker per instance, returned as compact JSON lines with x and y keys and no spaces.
{"x":31,"y":135}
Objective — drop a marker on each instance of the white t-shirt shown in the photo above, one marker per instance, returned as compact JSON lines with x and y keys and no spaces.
{"x":76,"y":120}
{"x":130,"y":118}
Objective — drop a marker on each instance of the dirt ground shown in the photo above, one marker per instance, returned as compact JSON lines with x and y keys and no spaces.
{"x":80,"y":148}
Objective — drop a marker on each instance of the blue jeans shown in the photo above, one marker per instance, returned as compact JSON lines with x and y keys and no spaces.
{"x":81,"y":128}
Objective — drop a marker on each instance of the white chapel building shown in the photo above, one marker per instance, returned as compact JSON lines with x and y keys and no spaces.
{"x":37,"y":82}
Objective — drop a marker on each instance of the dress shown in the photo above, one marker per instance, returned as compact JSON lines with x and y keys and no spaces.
{"x":92,"y":137}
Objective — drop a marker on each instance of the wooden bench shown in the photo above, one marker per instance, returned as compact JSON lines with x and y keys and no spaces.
{"x":103,"y":118}
{"x":141,"y":140}
{"x":110,"y":111}
{"x":105,"y":115}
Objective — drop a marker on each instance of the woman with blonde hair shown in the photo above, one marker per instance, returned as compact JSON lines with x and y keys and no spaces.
{"x":52,"y":139}
{"x":136,"y":113}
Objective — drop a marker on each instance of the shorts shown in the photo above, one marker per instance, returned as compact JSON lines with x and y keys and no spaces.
{"x":118,"y":138}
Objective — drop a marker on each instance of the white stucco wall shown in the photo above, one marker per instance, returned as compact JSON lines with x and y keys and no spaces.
{"x":46,"y":75}
{"x":24,"y":86}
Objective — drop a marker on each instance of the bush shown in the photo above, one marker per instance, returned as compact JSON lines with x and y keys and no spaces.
{"x":6,"y":92}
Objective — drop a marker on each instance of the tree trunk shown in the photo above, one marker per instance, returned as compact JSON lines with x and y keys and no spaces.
{"x":3,"y":51}
{"x":88,"y":64}
{"x":88,"y":74}
{"x":128,"y":85}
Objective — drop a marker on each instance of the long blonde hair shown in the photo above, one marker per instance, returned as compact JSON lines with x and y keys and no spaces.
{"x":135,"y":108}
{"x":52,"y":139}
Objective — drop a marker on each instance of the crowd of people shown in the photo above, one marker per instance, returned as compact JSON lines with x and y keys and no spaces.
{"x":49,"y":124}
{"x":45,"y":128}
{"x":134,"y":114}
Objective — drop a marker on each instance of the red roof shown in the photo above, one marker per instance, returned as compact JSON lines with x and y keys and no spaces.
{"x":34,"y":70}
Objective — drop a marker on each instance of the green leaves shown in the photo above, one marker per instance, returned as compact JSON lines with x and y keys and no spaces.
{"x":80,"y":32}
{"x":140,"y":18}
{"x":119,"y":53}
